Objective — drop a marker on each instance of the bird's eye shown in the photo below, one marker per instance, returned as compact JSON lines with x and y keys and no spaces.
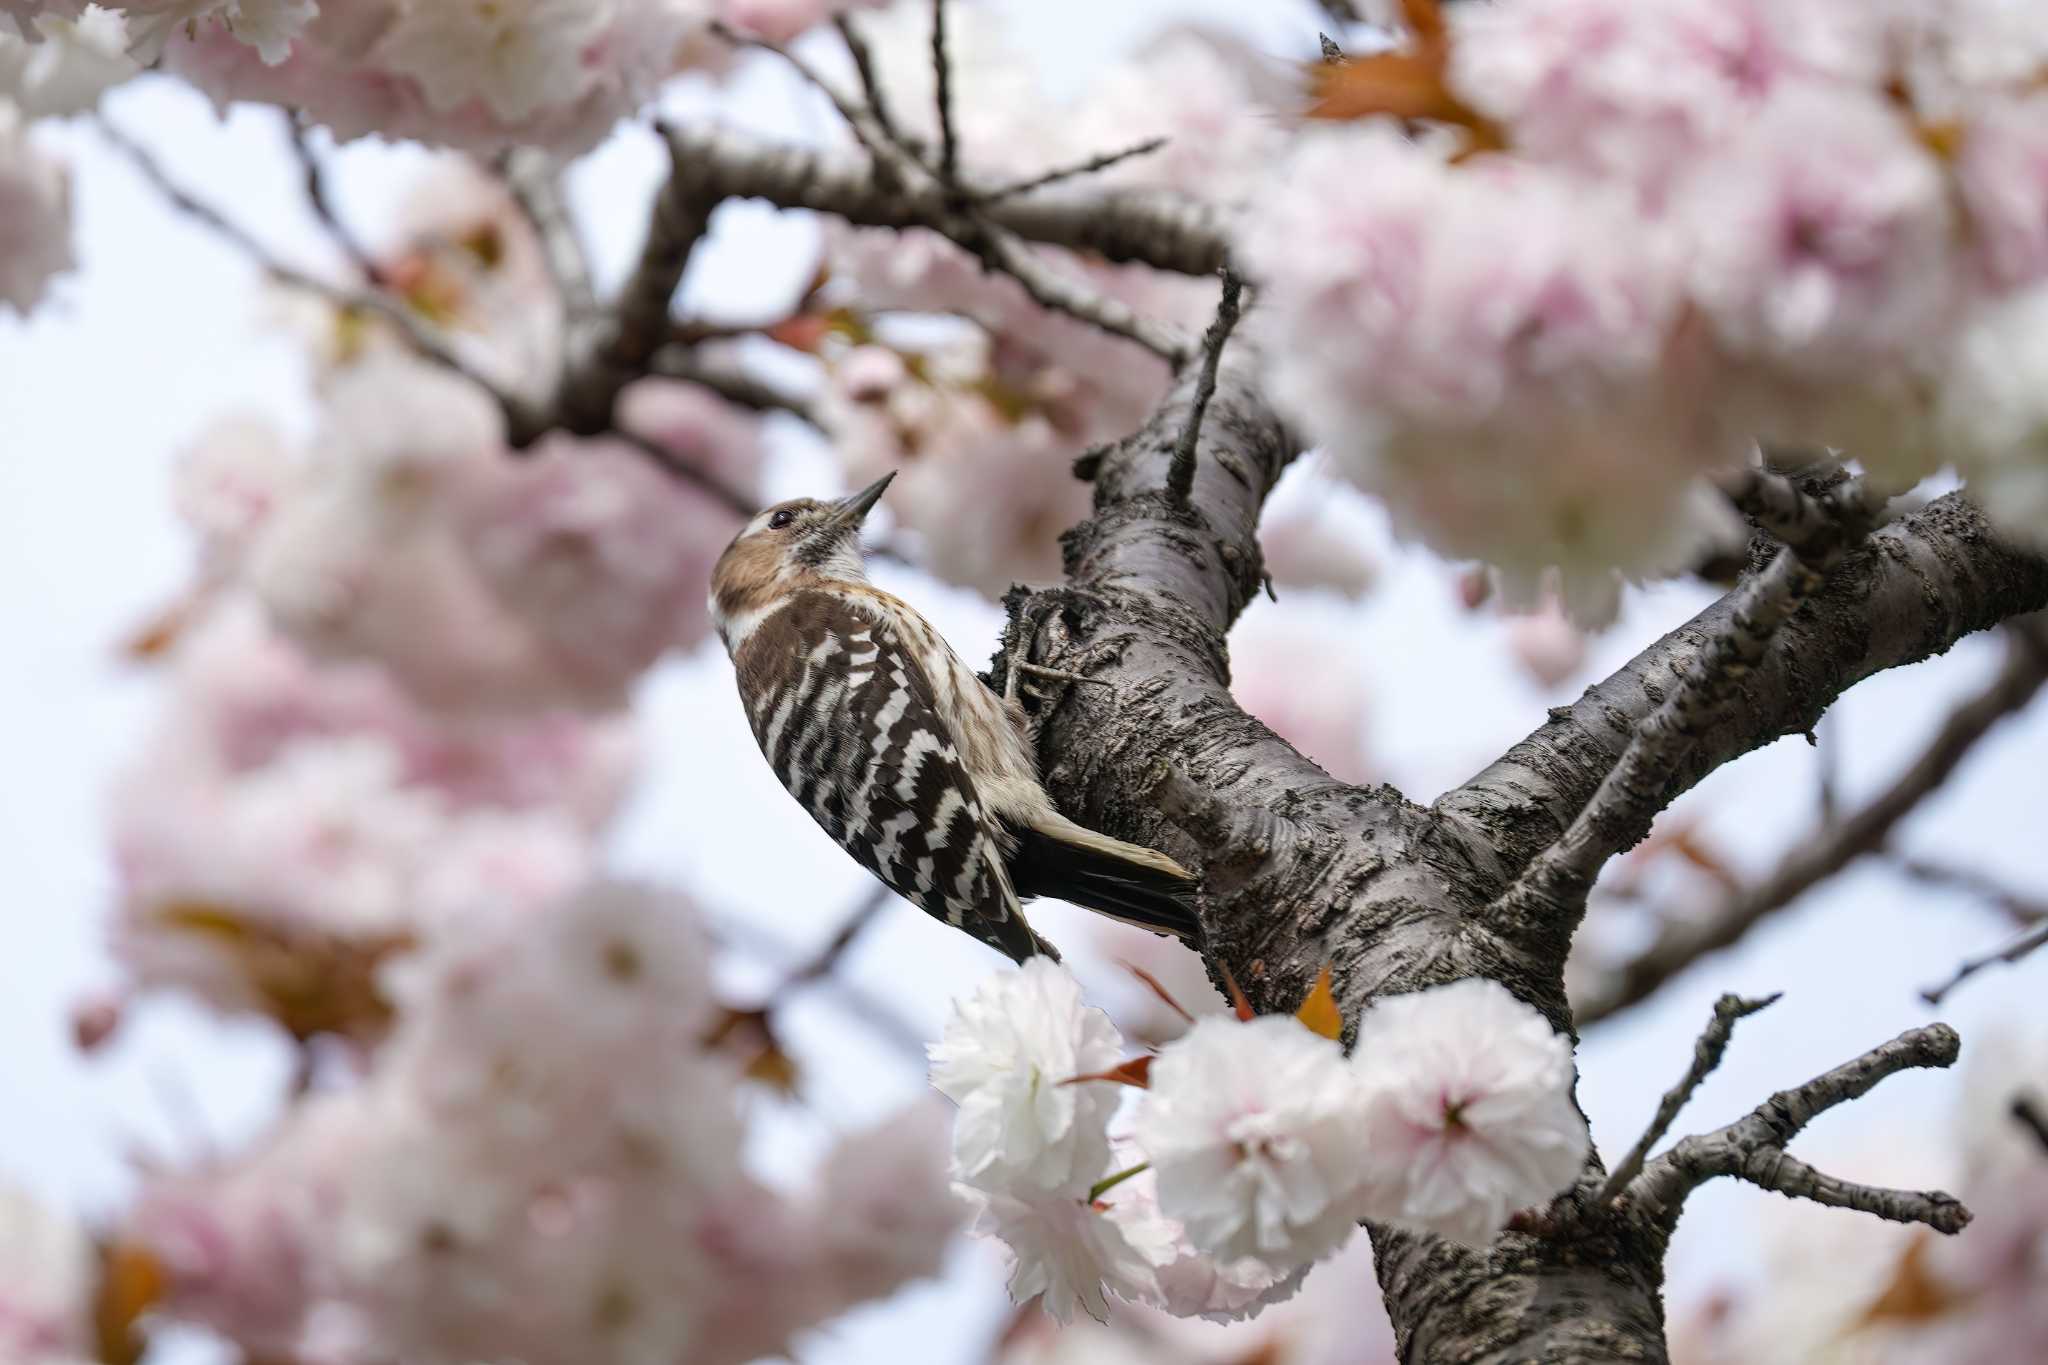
{"x":781,"y":519}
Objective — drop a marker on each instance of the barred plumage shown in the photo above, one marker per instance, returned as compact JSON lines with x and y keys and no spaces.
{"x":899,"y":751}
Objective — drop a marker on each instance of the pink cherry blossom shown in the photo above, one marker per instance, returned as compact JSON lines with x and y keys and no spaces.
{"x":65,"y":63}
{"x":1254,"y":1136}
{"x":47,"y":1281}
{"x":2002,"y":171}
{"x":1468,"y":1112}
{"x":1003,"y":1059}
{"x":35,"y":216}
{"x":1066,"y":1250}
{"x":1821,"y":241}
{"x":482,"y":77}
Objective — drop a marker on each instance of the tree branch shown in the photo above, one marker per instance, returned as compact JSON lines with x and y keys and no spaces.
{"x":1753,"y":1147}
{"x":320,"y":197}
{"x":730,"y":382}
{"x":942,"y":90}
{"x":1180,"y":475}
{"x":1058,"y":174}
{"x":530,"y":175}
{"x":2026,"y":943}
{"x":1681,"y":943}
{"x":1914,"y":588}
{"x":1706,"y":1055}
{"x":1165,"y":231}
{"x":2028,"y":1115}
{"x":370,"y":301}
{"x":619,"y":349}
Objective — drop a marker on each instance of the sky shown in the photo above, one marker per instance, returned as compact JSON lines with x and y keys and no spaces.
{"x":162,"y":327}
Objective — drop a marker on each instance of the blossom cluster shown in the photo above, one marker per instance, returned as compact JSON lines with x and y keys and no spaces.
{"x":543,"y":1160}
{"x":394,"y":737}
{"x":1256,"y":1146}
{"x":1644,"y":237}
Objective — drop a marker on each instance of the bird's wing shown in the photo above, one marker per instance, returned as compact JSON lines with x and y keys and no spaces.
{"x":845,"y":716}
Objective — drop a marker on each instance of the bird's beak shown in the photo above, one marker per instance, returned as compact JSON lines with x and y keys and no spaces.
{"x":850,"y":511}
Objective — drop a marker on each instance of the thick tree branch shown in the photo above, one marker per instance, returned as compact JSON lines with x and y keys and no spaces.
{"x":1913,"y":589}
{"x":1706,"y":1055}
{"x":623,"y":343}
{"x":1551,"y":891}
{"x":1681,"y":943}
{"x":1166,"y":231}
{"x":1753,"y":1147}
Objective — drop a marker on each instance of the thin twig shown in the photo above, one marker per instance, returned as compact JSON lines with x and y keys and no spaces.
{"x":1053,"y":291}
{"x":320,"y":197}
{"x":416,"y":332}
{"x":1180,"y":475}
{"x":891,"y":157}
{"x":530,"y":175}
{"x":942,"y":74}
{"x":870,"y":81}
{"x":2016,"y":907}
{"x":2028,"y":1115}
{"x":877,"y":1013}
{"x":729,"y":382}
{"x":2011,"y":952}
{"x":1753,"y":1147}
{"x":1681,"y":943}
{"x":827,"y":959}
{"x":1706,"y":1055}
{"x":1089,"y":167}
{"x":684,"y":472}
{"x":1814,"y":525}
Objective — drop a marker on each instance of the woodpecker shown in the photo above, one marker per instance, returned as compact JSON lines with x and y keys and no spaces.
{"x":905,"y":757}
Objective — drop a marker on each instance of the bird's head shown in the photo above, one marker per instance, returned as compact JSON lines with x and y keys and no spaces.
{"x":784,"y":548}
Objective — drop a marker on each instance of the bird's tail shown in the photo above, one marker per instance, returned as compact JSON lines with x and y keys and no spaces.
{"x":1058,"y":858}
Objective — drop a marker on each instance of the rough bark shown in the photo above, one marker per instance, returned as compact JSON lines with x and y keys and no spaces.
{"x":1301,"y":870}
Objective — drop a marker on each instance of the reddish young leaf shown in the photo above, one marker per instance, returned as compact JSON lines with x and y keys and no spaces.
{"x":1156,"y":988}
{"x":1237,"y":1000}
{"x":1136,"y":1072}
{"x":1319,"y":1012}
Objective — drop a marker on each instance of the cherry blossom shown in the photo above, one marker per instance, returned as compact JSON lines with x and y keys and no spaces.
{"x":478,"y":76}
{"x":48,"y":1265}
{"x":65,"y":64}
{"x":1993,"y":411}
{"x":1254,"y":1135}
{"x":410,"y":537}
{"x":35,"y":216}
{"x":1463,"y":345}
{"x":1003,"y":1058}
{"x":267,"y":27}
{"x":1469,"y":1113}
{"x":781,"y":20}
{"x":543,"y":1159}
{"x":1066,"y":1249}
